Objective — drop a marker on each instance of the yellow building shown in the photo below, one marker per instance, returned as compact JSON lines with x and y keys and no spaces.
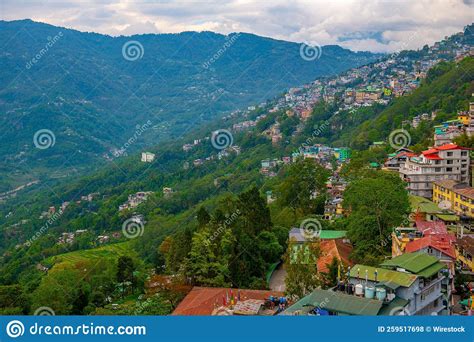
{"x":401,"y":236}
{"x":465,"y":252}
{"x":455,"y":196}
{"x":463,"y":117}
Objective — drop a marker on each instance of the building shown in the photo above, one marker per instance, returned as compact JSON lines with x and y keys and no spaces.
{"x":465,"y":254}
{"x":395,"y":160}
{"x":431,"y":238}
{"x":457,"y":197}
{"x":332,"y":243}
{"x":148,"y":157}
{"x":217,"y":301}
{"x":406,"y":285}
{"x":425,"y":210}
{"x":438,"y":163}
{"x":342,"y":153}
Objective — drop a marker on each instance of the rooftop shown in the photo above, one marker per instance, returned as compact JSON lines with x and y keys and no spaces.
{"x":297,"y":234}
{"x":420,"y":264}
{"x":331,"y":249}
{"x":337,"y":302}
{"x":383,"y":275}
{"x":431,"y":227}
{"x":467,"y":243}
{"x":460,"y":188}
{"x":442,"y":243}
{"x":202,"y":301}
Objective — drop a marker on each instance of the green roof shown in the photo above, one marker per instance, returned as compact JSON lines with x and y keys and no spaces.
{"x":447,"y":217}
{"x":384,"y":275}
{"x":424,"y":205}
{"x":337,"y":302}
{"x":397,"y":303}
{"x":432,"y":270}
{"x":332,"y":234}
{"x":419,"y":263}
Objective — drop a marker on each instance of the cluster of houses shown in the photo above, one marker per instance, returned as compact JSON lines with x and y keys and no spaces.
{"x":378,"y":82}
{"x":135,"y":199}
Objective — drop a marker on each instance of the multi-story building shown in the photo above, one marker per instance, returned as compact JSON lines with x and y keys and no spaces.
{"x":395,"y":160}
{"x":431,"y":238}
{"x":457,"y":197}
{"x":465,"y":253}
{"x":410,"y":284}
{"x":449,"y":161}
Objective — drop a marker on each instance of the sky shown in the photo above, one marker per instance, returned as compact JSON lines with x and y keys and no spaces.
{"x":368,"y":25}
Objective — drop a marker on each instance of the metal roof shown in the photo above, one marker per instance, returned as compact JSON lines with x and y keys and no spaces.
{"x":336,"y":302}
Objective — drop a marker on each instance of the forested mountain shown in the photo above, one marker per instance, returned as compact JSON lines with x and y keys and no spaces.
{"x":92,"y":91}
{"x":205,"y":217}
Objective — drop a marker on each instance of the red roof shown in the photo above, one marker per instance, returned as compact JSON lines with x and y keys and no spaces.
{"x":431,"y":227}
{"x":442,"y":243}
{"x":432,"y":153}
{"x":451,"y":147}
{"x":201,"y":301}
{"x":333,"y":248}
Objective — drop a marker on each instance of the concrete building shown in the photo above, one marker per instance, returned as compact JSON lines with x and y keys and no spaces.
{"x":438,"y":163}
{"x":406,"y":285}
{"x":148,"y":157}
{"x":457,"y":197}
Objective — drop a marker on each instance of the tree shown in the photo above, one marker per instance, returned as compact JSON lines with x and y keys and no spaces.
{"x":375,"y":206}
{"x":464,"y":140}
{"x":203,"y":217}
{"x":297,"y":191}
{"x":301,"y":268}
{"x":125,"y":270}
{"x":203,"y":263}
{"x":58,"y":291}
{"x":255,"y":215}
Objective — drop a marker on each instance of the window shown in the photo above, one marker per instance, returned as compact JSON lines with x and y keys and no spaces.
{"x":449,"y":162}
{"x":463,"y":153}
{"x":449,"y":154}
{"x":449,"y":169}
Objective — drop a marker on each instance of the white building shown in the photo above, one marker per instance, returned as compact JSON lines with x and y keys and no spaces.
{"x":148,"y":157}
{"x":438,"y":163}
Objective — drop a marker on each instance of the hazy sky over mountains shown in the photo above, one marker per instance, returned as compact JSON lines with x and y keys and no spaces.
{"x":378,"y":26}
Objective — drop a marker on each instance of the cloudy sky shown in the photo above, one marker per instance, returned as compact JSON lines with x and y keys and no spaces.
{"x":374,"y":25}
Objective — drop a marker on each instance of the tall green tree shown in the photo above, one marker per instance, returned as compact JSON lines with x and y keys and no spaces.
{"x":376,"y":206}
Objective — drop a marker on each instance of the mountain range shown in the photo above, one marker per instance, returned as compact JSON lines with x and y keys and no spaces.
{"x":94,"y":91}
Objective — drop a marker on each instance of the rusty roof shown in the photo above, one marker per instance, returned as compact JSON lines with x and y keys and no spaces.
{"x":202,"y":301}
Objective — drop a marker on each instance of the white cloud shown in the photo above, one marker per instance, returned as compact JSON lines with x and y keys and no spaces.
{"x":374,"y":25}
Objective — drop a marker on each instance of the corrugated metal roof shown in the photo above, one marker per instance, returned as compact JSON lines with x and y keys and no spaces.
{"x":337,"y":302}
{"x":383,"y":275}
{"x":412,"y":262}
